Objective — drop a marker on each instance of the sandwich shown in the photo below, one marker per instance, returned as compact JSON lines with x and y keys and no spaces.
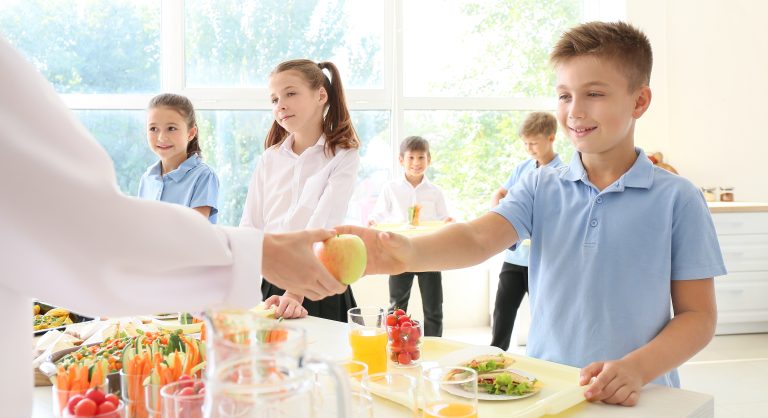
{"x":489,"y":363}
{"x":505,"y":382}
{"x":495,"y":377}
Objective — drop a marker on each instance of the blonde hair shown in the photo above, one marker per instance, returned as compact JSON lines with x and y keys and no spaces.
{"x":184,"y":107}
{"x":619,"y":42}
{"x":337,"y":124}
{"x":538,"y":123}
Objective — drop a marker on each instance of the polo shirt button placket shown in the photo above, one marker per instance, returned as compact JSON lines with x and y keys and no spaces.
{"x":593,"y":223}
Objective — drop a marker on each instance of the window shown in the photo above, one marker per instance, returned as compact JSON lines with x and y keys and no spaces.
{"x":461,"y":73}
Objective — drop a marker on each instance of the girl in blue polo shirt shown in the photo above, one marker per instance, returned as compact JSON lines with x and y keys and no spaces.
{"x":179,"y":176}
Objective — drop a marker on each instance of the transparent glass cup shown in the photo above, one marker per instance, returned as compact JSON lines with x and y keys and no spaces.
{"x":356,"y":370}
{"x":449,"y":392}
{"x":404,"y":346}
{"x":399,"y":388}
{"x":368,"y":337}
{"x":179,"y":402}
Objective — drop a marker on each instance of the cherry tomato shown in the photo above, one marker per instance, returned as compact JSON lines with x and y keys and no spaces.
{"x":106,"y":407}
{"x":111,"y":397}
{"x":399,"y":312}
{"x":187,"y":391}
{"x":85,"y":408}
{"x":394,"y":333}
{"x":391,"y":320}
{"x":415,"y":355}
{"x":404,"y":358}
{"x":95,"y":395}
{"x":73,"y":400}
{"x":187,"y":379}
{"x":405,"y":326}
{"x":415,"y":334}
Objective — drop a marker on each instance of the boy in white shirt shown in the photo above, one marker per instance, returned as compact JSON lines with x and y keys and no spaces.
{"x":392,"y":206}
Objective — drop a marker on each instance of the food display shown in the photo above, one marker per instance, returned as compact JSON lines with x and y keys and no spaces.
{"x":94,"y":403}
{"x":46,"y":317}
{"x":404,"y":334}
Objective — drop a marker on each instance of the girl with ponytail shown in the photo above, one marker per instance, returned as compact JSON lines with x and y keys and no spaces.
{"x":307,"y":173}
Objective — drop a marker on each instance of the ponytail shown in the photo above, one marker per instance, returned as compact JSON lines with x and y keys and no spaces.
{"x":337,"y":124}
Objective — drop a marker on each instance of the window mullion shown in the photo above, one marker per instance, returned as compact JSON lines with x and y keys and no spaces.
{"x":172,"y":46}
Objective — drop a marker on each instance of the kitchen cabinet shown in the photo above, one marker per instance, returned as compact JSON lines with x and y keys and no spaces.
{"x":742,"y":294}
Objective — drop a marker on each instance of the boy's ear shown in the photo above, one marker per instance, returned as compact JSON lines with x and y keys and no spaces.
{"x":400,"y":158}
{"x":551,"y":138}
{"x":642,"y":102}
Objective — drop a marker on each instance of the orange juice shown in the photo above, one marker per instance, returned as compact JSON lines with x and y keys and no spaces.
{"x":450,"y":410}
{"x":369,"y":345}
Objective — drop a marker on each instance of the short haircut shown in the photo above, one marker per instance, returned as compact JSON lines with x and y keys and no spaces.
{"x":621,"y":43}
{"x":538,"y":123}
{"x":414,"y":143}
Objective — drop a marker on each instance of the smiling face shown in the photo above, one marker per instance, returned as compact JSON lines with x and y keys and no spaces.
{"x":595,"y":106}
{"x":168,"y":135}
{"x":539,"y":147}
{"x":295,"y":106}
{"x":415,"y":163}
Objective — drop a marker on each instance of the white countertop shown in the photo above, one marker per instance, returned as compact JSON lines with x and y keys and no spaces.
{"x":329,"y":338}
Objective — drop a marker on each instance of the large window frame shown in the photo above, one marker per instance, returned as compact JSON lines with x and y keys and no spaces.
{"x":389,"y":98}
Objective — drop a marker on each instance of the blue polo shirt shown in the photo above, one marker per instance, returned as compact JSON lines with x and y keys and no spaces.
{"x":520,"y":255}
{"x":602,"y":262}
{"x":192,"y":184}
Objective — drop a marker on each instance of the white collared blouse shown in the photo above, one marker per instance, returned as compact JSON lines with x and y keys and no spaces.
{"x":292,"y":192}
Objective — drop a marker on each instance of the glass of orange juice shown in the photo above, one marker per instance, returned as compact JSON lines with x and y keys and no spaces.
{"x":450,"y":392}
{"x":368,"y":337}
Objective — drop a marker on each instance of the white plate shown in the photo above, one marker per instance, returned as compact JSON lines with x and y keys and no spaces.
{"x":460,"y":357}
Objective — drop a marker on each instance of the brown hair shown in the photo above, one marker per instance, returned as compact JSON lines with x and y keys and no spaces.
{"x":619,"y":42}
{"x":184,"y":106}
{"x":337,"y":124}
{"x":538,"y":123}
{"x":414,"y":143}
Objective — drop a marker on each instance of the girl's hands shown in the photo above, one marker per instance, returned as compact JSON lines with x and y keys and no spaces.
{"x":387,"y":252}
{"x":613,"y":382}
{"x":287,"y":306}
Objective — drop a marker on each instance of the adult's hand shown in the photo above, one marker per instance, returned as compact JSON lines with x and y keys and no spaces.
{"x":388,"y":253}
{"x":289,"y":262}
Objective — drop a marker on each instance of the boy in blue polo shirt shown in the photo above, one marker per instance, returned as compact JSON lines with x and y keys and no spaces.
{"x":538,"y":136}
{"x":616,"y":243}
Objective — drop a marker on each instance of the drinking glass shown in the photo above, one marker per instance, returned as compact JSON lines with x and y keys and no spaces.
{"x":397,"y":389}
{"x":368,"y":337}
{"x":449,"y":392}
{"x":179,"y":402}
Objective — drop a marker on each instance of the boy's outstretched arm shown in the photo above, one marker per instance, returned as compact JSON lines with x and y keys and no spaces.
{"x":452,"y":246}
{"x":690,"y":330}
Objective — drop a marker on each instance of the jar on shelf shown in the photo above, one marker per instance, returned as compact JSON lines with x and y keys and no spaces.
{"x":709,"y":194}
{"x":726,"y":194}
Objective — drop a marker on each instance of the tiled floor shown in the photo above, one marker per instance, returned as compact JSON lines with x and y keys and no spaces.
{"x":732,"y":368}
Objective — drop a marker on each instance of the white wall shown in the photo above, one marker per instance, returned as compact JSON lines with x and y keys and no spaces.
{"x":710,"y":85}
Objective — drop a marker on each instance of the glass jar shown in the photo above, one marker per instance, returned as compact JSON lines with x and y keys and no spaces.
{"x":726,"y":194}
{"x":709,"y":194}
{"x":404,"y":346}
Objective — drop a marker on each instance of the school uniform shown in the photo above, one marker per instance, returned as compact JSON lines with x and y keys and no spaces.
{"x":602,"y":262}
{"x":392,"y":206}
{"x":292,"y":192}
{"x":193,"y":184}
{"x":513,"y":278}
